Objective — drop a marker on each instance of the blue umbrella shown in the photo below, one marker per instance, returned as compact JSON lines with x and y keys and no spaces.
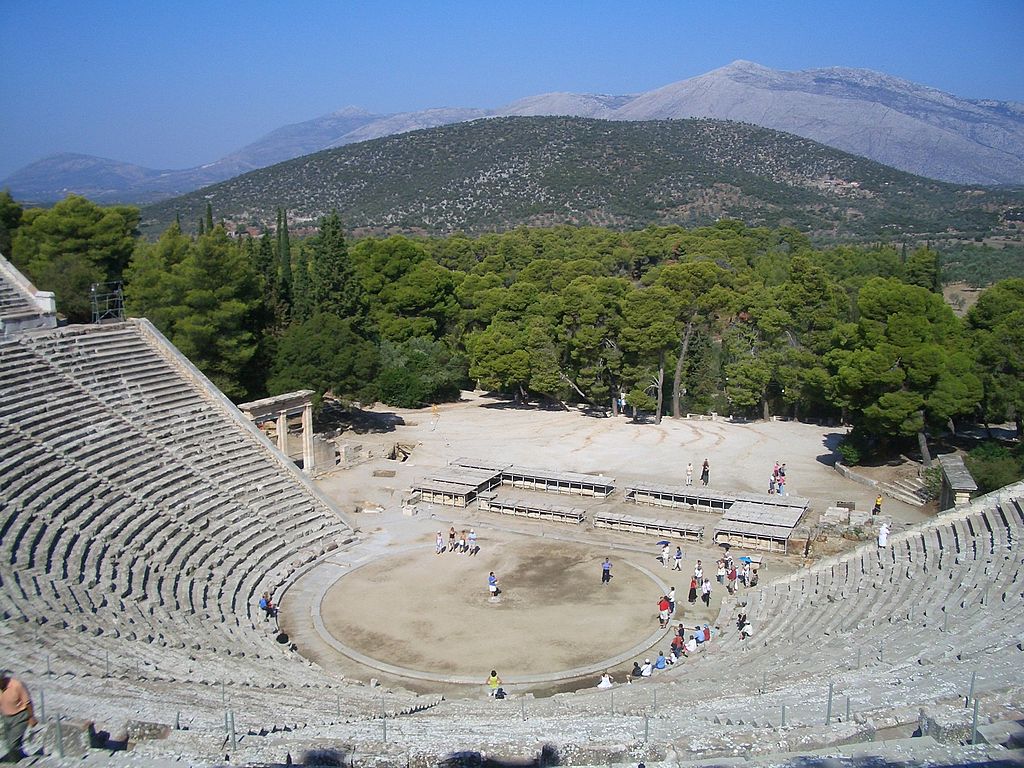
{"x":746,"y":560}
{"x":662,"y":543}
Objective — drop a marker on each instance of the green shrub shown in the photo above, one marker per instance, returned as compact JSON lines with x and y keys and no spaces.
{"x":993,"y":465}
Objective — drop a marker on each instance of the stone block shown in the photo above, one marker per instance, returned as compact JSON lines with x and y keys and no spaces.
{"x":946,"y":726}
{"x":859,"y":518}
{"x":140,"y":730}
{"x":836,"y":516}
{"x":76,"y":737}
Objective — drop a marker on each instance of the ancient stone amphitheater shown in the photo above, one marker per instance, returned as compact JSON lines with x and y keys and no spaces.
{"x":141,"y":516}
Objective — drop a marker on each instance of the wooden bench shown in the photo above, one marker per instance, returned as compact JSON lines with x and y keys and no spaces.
{"x":552,"y":512}
{"x":634,"y":524}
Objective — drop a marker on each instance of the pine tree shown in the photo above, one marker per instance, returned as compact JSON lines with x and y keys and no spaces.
{"x":334,"y":286}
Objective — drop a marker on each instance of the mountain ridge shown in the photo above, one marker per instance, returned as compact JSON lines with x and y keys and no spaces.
{"x":498,"y":173}
{"x":907,"y":125}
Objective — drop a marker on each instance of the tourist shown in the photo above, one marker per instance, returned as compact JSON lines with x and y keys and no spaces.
{"x":705,"y":473}
{"x":473,"y":546}
{"x":883,"y":535}
{"x":689,"y":473}
{"x":492,"y":585}
{"x":439,"y":543}
{"x":746,"y":575}
{"x":780,"y":486}
{"x":877,"y":509}
{"x":705,"y":593}
{"x":663,"y":611}
{"x":746,"y":631}
{"x":692,"y":596}
{"x":731,"y":577}
{"x":267,"y":605}
{"x":451,"y":539}
{"x":606,"y":571}
{"x":679,"y":559}
{"x":677,"y":645}
{"x":698,"y":572}
{"x":16,"y":708}
{"x":771,"y":484}
{"x":637,"y":670}
{"x":672,"y":601}
{"x":666,"y":556}
{"x":691,"y":646}
{"x":720,"y":573}
{"x":463,"y":542}
{"x":741,"y":619}
{"x":493,"y":683}
{"x":660,"y":663}
{"x":647,"y":669}
{"x":606,"y":681}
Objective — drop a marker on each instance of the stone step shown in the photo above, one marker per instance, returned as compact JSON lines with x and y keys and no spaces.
{"x":1003,"y":733}
{"x":894,"y":492}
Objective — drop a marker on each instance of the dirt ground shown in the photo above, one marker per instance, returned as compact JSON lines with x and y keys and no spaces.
{"x":433,"y":612}
{"x":415,"y":609}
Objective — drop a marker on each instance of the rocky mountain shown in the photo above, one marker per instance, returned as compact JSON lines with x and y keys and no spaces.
{"x":908,"y":126}
{"x":499,"y":173}
{"x":892,"y":121}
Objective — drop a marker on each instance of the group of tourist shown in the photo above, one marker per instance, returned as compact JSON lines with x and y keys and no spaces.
{"x":777,"y":482}
{"x":705,"y":473}
{"x":267,"y":606}
{"x":684,"y":643}
{"x":464,"y":542}
{"x":668,"y":558}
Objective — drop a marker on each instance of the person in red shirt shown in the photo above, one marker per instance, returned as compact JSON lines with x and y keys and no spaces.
{"x":16,"y":708}
{"x":663,"y":606}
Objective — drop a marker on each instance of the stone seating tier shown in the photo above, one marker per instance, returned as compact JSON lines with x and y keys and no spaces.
{"x":103,"y":508}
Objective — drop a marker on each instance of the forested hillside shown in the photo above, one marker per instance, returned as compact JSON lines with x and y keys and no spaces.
{"x":498,"y":174}
{"x":729,"y":318}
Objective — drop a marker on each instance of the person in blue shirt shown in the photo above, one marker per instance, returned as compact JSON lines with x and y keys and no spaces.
{"x":492,"y":585}
{"x":660,"y":663}
{"x":606,"y":571}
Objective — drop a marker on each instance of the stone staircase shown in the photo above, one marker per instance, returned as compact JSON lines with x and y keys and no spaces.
{"x":909,"y":490}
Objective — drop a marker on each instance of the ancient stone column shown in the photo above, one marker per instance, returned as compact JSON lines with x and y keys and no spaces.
{"x":282,"y":432}
{"x":307,"y":439}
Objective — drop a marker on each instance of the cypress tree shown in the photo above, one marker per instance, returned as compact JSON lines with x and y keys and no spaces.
{"x":209,"y":216}
{"x":334,"y":287}
{"x":301,"y":303}
{"x":284,"y":255}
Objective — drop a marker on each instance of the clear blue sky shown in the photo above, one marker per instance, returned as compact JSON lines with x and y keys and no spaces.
{"x":171,"y":85}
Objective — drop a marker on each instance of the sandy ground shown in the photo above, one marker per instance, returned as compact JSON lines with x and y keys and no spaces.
{"x":741,"y":455}
{"x":433,"y":612}
{"x":419,"y":610}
